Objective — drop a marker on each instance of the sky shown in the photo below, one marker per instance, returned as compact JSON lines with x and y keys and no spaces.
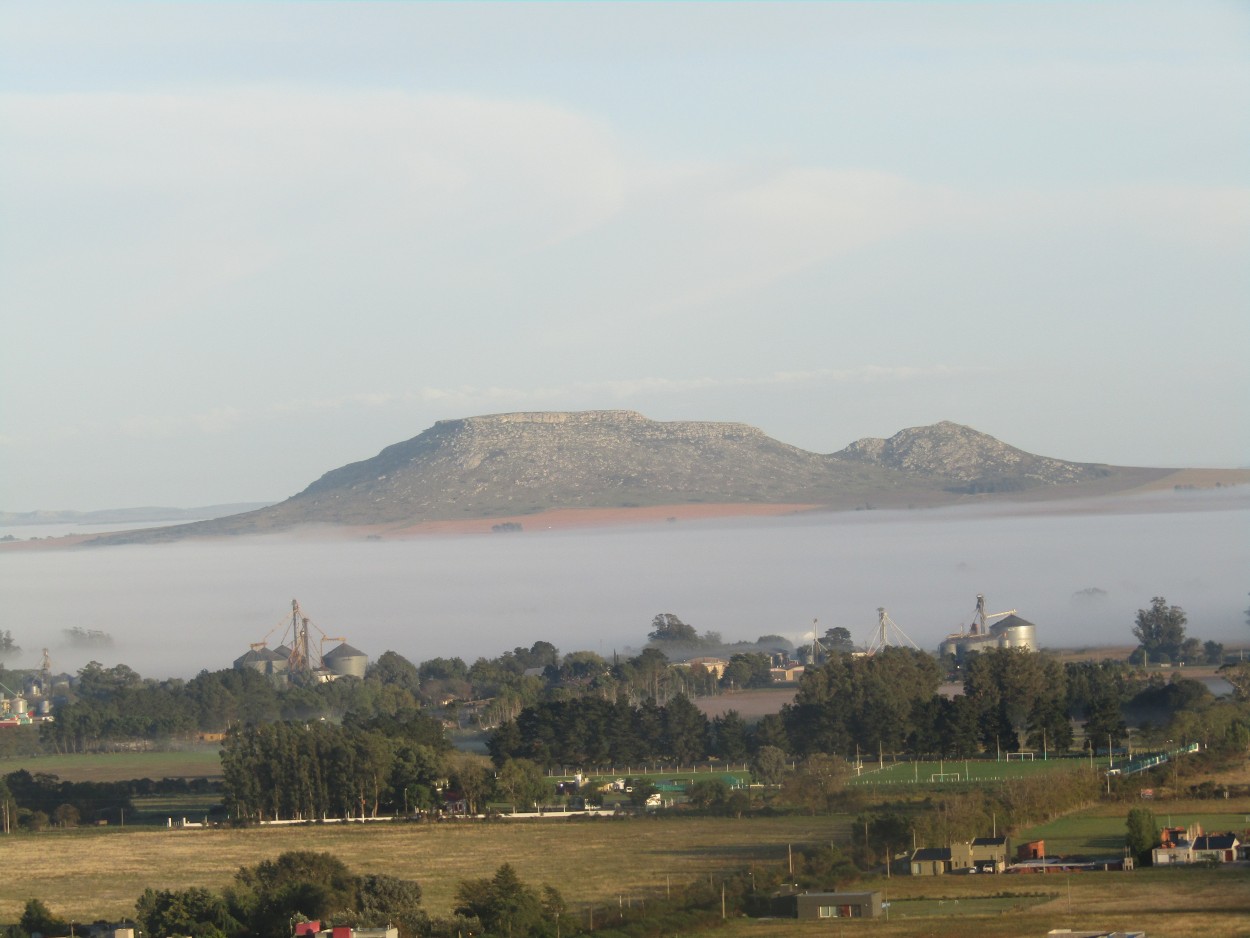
{"x":243,"y":244}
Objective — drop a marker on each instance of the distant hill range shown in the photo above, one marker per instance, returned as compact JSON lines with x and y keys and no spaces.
{"x":509,"y":466}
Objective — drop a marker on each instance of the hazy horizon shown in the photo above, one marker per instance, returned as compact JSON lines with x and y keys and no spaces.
{"x":176,"y":609}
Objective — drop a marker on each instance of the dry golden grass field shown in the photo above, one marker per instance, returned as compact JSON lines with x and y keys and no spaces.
{"x":101,"y":873}
{"x":90,"y":873}
{"x":1162,"y":903}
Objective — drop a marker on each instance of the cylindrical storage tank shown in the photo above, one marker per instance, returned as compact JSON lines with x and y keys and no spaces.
{"x":19,"y":706}
{"x":45,"y":707}
{"x":346,"y":661}
{"x":1019,"y":636}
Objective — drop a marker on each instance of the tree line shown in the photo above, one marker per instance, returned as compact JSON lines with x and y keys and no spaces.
{"x":1012,"y":699}
{"x":364,"y":767}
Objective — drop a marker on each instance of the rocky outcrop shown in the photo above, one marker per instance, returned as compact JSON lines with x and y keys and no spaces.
{"x":516,"y":463}
{"x":967,"y":459}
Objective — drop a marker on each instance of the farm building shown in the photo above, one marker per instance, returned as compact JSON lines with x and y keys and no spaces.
{"x":108,"y":930}
{"x":931,"y":861}
{"x":715,"y":665}
{"x":820,"y":905}
{"x":1194,"y":847}
{"x":982,"y":855}
{"x":1191,"y":845}
{"x":1033,"y":850}
{"x":314,"y":930}
{"x":787,"y":674}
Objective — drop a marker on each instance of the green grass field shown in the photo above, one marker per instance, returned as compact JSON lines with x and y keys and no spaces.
{"x":929,"y":774}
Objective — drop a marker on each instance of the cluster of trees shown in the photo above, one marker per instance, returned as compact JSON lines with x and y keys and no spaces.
{"x":594,"y":731}
{"x":365,"y":767}
{"x":264,"y":900}
{"x":669,"y":632}
{"x":1013,"y":699}
{"x":506,"y":906}
{"x":1160,"y":631}
{"x":37,"y":802}
{"x":111,"y":704}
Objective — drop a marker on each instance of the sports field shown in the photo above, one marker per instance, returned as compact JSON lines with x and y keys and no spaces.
{"x":953,"y":772}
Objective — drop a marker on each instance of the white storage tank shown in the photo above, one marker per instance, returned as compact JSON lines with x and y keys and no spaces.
{"x":1014,"y":632}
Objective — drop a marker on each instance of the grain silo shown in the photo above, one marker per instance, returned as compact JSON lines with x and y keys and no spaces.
{"x":262,"y":660}
{"x":1014,"y":632}
{"x":346,"y":661}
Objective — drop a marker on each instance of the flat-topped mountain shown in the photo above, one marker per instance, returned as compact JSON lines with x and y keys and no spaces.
{"x":509,"y":465}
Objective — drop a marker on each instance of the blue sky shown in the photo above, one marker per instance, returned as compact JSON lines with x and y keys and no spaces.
{"x":242,"y":244}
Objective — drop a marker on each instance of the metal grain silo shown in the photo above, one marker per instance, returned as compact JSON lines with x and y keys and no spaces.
{"x":1014,"y":632}
{"x":346,"y":661}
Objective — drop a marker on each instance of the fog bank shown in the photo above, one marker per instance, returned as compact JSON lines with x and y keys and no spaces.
{"x":1079,"y":572}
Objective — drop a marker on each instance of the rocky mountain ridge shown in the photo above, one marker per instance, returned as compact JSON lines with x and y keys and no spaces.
{"x":510,"y":465}
{"x":952,"y":451}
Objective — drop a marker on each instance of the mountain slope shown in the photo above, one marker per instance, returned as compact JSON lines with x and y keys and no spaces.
{"x":507,"y":465}
{"x":974,"y":461}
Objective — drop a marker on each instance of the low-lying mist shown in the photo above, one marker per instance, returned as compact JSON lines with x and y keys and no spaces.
{"x":1079,"y":571}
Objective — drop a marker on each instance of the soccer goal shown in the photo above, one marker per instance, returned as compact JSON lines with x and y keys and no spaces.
{"x":1021,"y":756}
{"x":946,"y":777}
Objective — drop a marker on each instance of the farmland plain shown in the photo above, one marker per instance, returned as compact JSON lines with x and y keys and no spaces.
{"x":100,"y":873}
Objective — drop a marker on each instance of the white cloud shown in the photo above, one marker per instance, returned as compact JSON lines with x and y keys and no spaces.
{"x":160,"y":199}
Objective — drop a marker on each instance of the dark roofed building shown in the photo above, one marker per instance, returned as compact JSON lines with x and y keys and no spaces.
{"x":931,"y":861}
{"x":1221,"y":847}
{"x":822,"y":905}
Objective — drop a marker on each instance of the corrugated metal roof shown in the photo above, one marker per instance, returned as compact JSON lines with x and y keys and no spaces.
{"x":343,"y":651}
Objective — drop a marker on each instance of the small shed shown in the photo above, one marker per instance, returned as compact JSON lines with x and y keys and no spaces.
{"x":1033,"y":850}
